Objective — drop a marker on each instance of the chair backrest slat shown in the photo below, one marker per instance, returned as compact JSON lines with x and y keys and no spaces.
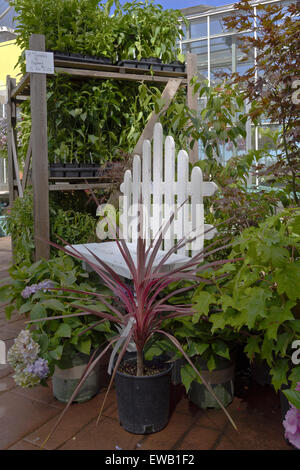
{"x":165,"y":184}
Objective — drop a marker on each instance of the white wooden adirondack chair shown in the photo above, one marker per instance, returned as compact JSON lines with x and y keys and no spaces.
{"x":165,"y":185}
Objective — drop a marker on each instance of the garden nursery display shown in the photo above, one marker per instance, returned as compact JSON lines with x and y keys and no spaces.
{"x":174,"y":318}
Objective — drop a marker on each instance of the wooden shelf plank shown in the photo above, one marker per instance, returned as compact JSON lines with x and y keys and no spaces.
{"x":115,"y":68}
{"x":80,"y":186}
{"x":23,"y":83}
{"x":115,"y":75}
{"x":85,"y":69}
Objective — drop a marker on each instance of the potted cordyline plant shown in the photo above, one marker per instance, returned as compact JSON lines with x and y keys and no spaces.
{"x":138,"y":315}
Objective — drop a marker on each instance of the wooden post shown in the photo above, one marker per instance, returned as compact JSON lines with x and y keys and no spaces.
{"x":39,"y":142}
{"x":10,"y":83}
{"x":192,"y":99}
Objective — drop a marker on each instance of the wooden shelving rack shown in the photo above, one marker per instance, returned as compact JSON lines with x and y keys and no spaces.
{"x":34,"y":86}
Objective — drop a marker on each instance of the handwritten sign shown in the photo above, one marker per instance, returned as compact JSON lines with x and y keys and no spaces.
{"x":39,"y":62}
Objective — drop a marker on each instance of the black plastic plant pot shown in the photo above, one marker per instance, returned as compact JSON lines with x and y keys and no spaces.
{"x":144,"y":402}
{"x":97,"y":59}
{"x":56,"y":170}
{"x":143,"y":64}
{"x":260,"y":372}
{"x":72,"y":170}
{"x":87,"y":170}
{"x":151,"y":62}
{"x":174,"y":66}
{"x":77,"y":57}
{"x":128,"y":63}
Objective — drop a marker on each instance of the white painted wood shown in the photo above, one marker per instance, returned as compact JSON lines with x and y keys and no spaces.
{"x":197,"y":215}
{"x":165,"y":184}
{"x":209,"y":187}
{"x":147,"y":188}
{"x":182,"y":196}
{"x":169,"y":172}
{"x":125,"y":204}
{"x":157,"y":178}
{"x":109,"y":253}
{"x":136,"y":191}
{"x":170,"y":183}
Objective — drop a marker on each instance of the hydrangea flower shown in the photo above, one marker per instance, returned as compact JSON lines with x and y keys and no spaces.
{"x":24,"y":350}
{"x":23,"y":356}
{"x":29,"y":290}
{"x":291,"y":424}
{"x":39,"y":368}
{"x":25,"y":379}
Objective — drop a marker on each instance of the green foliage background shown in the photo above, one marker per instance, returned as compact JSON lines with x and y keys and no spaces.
{"x":97,"y":120}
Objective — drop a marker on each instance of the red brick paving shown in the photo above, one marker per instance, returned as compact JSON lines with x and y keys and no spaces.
{"x":27,"y":416}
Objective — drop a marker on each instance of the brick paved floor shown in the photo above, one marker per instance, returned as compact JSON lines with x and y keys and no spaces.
{"x":27,"y":416}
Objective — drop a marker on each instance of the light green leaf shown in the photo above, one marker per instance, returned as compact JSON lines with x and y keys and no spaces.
{"x":37,"y":312}
{"x":64,"y":331}
{"x":293,"y":397}
{"x":5,"y":293}
{"x":287,"y":279}
{"x":211,"y":363}
{"x":221,"y":349}
{"x":56,"y":353}
{"x":188,"y":375}
{"x":279,"y":372}
{"x":54,"y":304}
{"x":254,"y":304}
{"x":218,"y":321}
{"x":252,"y":346}
{"x":294,"y":376}
{"x":84,"y":346}
{"x":26,"y":307}
{"x":267,"y":349}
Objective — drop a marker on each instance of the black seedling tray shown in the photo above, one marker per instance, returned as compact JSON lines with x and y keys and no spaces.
{"x":76,"y":57}
{"x":154,"y":63}
{"x":74,"y":170}
{"x":144,"y":64}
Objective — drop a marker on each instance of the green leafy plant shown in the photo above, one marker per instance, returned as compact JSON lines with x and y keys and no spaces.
{"x":141,"y":309}
{"x":28,"y":293}
{"x":260,"y":299}
{"x":271,"y":85}
{"x":78,"y":227}
{"x":93,"y":120}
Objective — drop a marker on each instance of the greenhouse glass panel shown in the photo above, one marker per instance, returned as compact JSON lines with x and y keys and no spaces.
{"x":198,"y":28}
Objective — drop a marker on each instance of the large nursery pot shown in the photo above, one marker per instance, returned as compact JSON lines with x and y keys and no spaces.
{"x":221,"y":380}
{"x":64,"y":381}
{"x":260,"y":372}
{"x":144,"y":402}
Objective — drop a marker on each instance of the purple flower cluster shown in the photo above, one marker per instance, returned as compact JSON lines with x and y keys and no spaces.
{"x":24,"y":358}
{"x":39,"y":368}
{"x":29,"y":290}
{"x":292,"y":424}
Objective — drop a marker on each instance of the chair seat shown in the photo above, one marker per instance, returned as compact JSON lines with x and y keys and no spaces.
{"x":109,"y":253}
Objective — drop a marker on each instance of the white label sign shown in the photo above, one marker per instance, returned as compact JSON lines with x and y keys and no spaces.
{"x":39,"y":62}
